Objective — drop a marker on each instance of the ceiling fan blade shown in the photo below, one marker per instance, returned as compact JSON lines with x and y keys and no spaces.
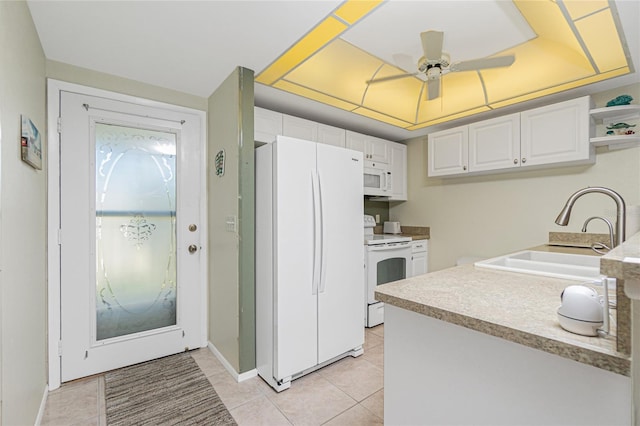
{"x":391,"y":77}
{"x":433,"y":88}
{"x":483,"y":63}
{"x":432,"y":44}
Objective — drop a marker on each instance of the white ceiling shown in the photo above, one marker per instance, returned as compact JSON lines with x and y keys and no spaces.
{"x":192,"y":46}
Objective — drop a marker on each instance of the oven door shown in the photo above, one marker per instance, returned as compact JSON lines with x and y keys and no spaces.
{"x":386,"y":263}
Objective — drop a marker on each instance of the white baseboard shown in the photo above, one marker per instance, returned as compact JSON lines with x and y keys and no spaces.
{"x":43,"y":404}
{"x":238,"y":377}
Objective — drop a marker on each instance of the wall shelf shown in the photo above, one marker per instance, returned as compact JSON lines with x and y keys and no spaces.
{"x":612,"y":115}
{"x":616,"y":113}
{"x":615,"y":139}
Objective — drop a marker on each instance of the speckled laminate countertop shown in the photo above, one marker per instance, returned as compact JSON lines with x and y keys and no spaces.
{"x":623,"y":262}
{"x":513,"y":306}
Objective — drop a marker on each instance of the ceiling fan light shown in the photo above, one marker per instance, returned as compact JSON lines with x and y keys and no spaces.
{"x":434,"y":72}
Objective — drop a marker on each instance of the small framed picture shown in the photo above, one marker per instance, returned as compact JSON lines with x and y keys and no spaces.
{"x":31,"y":144}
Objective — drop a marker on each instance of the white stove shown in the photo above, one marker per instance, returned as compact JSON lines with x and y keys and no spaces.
{"x":374,"y":239}
{"x":387,"y":258}
{"x":384,"y":239}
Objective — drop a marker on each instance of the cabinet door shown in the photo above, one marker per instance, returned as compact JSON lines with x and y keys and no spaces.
{"x":495,"y":144}
{"x":556,"y":133}
{"x":378,"y":149}
{"x":448,"y":152}
{"x":331,"y":135}
{"x":355,"y":141}
{"x":419,"y":257}
{"x":398,"y":165}
{"x":375,"y":150}
{"x":267,"y":125}
{"x":299,"y":128}
{"x":419,"y":264}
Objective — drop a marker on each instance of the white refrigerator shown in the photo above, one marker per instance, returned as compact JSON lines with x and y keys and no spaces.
{"x":309,"y":258}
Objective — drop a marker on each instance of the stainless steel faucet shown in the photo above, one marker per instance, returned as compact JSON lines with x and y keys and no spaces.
{"x":621,"y":211}
{"x":597,"y":247}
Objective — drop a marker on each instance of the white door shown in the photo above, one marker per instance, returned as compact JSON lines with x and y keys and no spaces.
{"x":130,"y":223}
{"x":340,"y":293}
{"x":295,"y":297}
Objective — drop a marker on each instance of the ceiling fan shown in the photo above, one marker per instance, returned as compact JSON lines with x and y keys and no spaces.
{"x":435,"y":62}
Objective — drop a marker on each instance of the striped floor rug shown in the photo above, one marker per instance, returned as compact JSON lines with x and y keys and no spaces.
{"x":166,"y":391}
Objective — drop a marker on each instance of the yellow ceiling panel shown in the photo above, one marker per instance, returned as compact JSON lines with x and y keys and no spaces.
{"x":381,"y":117}
{"x":353,"y":10}
{"x":601,"y":38}
{"x":461,"y":91}
{"x":312,"y":94}
{"x":560,"y":88}
{"x":531,"y":72}
{"x":579,"y":8}
{"x":396,"y":97}
{"x":322,"y":34}
{"x":340,"y":70}
{"x":578,"y":43}
{"x":548,"y":22}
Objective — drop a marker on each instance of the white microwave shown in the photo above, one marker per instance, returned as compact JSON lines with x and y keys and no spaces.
{"x":377,"y":181}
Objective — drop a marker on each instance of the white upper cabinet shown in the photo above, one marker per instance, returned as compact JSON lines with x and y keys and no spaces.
{"x":267,"y":125}
{"x":448,"y":152}
{"x":375,"y":150}
{"x":332,"y":135}
{"x":300,"y":128}
{"x":494,"y":144}
{"x":398,"y":166}
{"x":391,"y":156}
{"x":557,"y":133}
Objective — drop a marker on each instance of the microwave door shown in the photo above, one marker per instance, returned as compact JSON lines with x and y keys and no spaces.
{"x":374,"y":183}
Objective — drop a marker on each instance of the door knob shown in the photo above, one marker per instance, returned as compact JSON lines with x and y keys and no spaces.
{"x":193,"y":227}
{"x":193,"y":248}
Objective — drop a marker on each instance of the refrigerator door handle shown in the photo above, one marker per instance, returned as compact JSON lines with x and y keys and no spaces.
{"x":323,"y":241}
{"x":317,"y":232}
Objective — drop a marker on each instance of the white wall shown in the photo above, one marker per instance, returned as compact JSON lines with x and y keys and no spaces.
{"x":496,"y":214}
{"x":22,"y":220}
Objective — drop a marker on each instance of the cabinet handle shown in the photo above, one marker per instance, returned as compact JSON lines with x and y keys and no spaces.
{"x":524,"y":160}
{"x":464,"y":167}
{"x":515,"y":161}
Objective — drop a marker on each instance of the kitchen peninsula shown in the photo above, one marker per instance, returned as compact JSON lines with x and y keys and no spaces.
{"x":467,"y":345}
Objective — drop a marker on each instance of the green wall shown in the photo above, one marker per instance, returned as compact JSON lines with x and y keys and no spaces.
{"x":231,"y":252}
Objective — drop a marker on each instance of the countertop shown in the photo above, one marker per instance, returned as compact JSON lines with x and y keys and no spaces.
{"x":517,"y":307}
{"x":414,"y":232}
{"x":623,"y":262}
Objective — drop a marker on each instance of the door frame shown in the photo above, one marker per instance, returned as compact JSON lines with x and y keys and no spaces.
{"x":54,"y":87}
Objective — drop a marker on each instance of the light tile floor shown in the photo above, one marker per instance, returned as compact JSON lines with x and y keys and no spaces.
{"x":348,"y":392}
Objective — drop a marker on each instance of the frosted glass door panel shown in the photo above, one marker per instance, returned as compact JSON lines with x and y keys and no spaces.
{"x":135,"y":230}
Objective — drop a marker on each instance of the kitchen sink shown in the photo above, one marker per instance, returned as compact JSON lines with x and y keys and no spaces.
{"x":578,"y":267}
